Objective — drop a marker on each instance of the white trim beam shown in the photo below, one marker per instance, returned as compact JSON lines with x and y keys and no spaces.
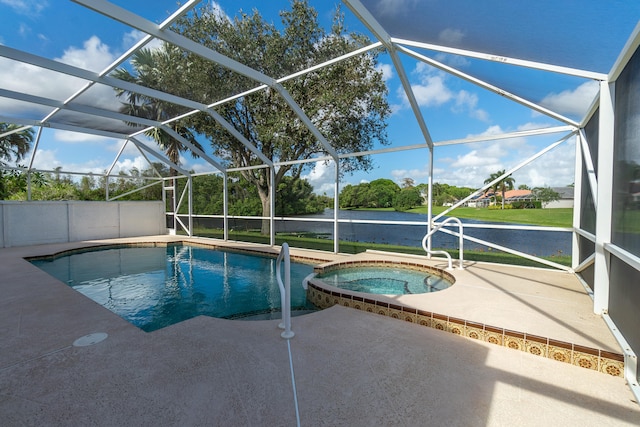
{"x":140,"y":44}
{"x":135,"y":21}
{"x":488,"y":86}
{"x":159,"y":156}
{"x":628,"y":50}
{"x":363,"y":14}
{"x":503,"y":59}
{"x":193,"y":148}
{"x":507,"y":173}
{"x":588,"y":161}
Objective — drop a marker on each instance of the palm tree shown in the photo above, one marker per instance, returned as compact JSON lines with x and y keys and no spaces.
{"x":148,"y":71}
{"x":16,"y":145}
{"x":505,"y":184}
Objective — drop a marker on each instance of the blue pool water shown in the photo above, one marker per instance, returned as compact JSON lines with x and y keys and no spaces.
{"x":154,"y":287}
{"x":383,"y":280}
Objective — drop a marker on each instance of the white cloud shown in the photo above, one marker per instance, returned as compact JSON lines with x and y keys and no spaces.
{"x":125,"y":165}
{"x":48,"y":160}
{"x":394,"y":7}
{"x":94,"y":55}
{"x":575,"y":102}
{"x":25,"y":78}
{"x":387,"y":71}
{"x":451,"y":36}
{"x":23,"y":29}
{"x":322,"y":178}
{"x":134,"y":36}
{"x":555,"y":168}
{"x":433,"y":91}
{"x":26,"y":7}
{"x":78,"y":137}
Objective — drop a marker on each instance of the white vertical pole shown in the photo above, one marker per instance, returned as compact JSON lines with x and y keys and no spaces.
{"x":577,"y":204}
{"x":190,"y":184}
{"x":604,"y":202}
{"x":336,"y":208}
{"x":430,"y":201}
{"x":33,"y":155}
{"x":272,"y":200}
{"x":225,"y":207}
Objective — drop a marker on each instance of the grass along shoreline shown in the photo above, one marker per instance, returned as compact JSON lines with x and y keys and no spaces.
{"x":557,"y":217}
{"x":312,"y":241}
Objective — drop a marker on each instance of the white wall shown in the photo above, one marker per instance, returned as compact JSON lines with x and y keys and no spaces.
{"x":33,"y":223}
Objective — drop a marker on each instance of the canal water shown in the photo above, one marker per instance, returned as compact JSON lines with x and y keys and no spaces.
{"x":539,"y":243}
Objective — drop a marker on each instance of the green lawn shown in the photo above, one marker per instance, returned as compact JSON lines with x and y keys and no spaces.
{"x":560,"y":217}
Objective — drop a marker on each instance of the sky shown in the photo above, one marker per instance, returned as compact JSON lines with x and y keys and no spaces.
{"x":452,"y":107}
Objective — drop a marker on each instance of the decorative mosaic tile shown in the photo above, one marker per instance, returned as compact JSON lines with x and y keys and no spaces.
{"x":346,"y":302}
{"x":423,"y":320}
{"x":560,"y":351}
{"x":536,"y":345}
{"x":394,"y":313}
{"x":369,"y":308}
{"x":513,"y":340}
{"x":455,"y":326}
{"x":585,"y":357}
{"x":474,"y":331}
{"x":493,"y":335}
{"x":612,"y":367}
{"x":439,"y":322}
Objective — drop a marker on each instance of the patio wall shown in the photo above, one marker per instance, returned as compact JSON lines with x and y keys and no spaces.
{"x":33,"y":223}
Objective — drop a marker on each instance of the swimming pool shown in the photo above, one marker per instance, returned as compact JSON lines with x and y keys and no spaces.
{"x":154,"y":287}
{"x":386,"y":279}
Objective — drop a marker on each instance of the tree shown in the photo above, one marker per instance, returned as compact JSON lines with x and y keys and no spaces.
{"x":503,"y":185}
{"x":15,"y":146}
{"x":408,"y":182}
{"x":146,"y":63}
{"x":295,"y":197}
{"x":546,"y":195}
{"x":381,"y":193}
{"x":406,"y":199}
{"x":345,"y":101}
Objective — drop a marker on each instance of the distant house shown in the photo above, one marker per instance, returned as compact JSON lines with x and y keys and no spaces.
{"x":488,"y":199}
{"x":566,"y":198}
{"x":480,"y":201}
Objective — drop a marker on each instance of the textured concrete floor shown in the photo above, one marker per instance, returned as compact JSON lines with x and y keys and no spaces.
{"x":351,"y":368}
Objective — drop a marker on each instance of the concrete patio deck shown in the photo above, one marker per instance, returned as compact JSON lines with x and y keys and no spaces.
{"x":351,"y":367}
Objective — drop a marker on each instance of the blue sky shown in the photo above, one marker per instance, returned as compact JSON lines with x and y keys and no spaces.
{"x":453,"y":108}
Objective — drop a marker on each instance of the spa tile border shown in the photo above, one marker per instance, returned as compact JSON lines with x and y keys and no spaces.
{"x":585,"y":357}
{"x":331,"y":266}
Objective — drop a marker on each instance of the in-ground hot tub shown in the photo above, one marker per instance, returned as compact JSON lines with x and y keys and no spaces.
{"x":384,"y":277}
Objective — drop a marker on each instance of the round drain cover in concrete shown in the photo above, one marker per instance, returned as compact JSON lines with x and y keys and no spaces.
{"x":90,"y":339}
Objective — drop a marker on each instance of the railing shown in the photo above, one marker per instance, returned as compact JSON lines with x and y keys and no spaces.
{"x":460,"y":237}
{"x":285,"y":291}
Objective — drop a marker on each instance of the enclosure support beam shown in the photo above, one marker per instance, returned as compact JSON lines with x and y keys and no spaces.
{"x":604,"y":200}
{"x":272,"y":201}
{"x":336,"y":208}
{"x":577,"y":207}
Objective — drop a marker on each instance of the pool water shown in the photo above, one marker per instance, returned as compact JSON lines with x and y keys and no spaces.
{"x":383,"y":280}
{"x":154,"y":287}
